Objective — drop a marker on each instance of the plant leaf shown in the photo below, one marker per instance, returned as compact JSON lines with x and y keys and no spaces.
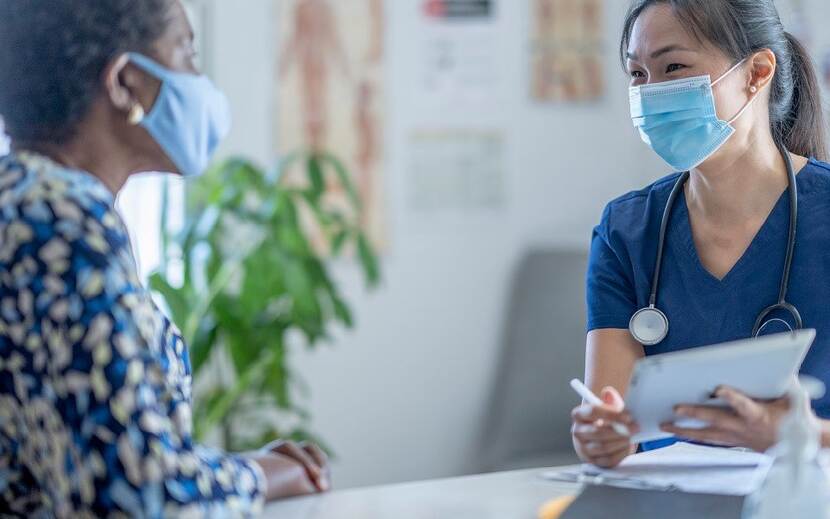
{"x":283,"y":286}
{"x":174,"y":298}
{"x":338,"y":242}
{"x":342,"y":311}
{"x":249,"y":378}
{"x":203,"y":305}
{"x":315,"y":175}
{"x":368,"y":260}
{"x":345,"y":179}
{"x":201,"y":347}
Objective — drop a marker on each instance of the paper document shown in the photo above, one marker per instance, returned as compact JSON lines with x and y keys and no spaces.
{"x":681,"y":467}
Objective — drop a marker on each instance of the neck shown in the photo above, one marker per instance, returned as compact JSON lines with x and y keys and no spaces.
{"x":739,"y":186}
{"x":95,"y":151}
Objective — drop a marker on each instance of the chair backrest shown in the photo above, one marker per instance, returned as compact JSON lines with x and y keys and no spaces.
{"x":543,"y":348}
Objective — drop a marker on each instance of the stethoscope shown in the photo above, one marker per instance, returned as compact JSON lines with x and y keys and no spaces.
{"x":650,"y":326}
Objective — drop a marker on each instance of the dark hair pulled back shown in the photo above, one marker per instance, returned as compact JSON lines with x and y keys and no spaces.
{"x":740,"y":28}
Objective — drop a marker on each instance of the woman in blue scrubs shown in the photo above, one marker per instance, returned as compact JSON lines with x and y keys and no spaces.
{"x":743,"y":102}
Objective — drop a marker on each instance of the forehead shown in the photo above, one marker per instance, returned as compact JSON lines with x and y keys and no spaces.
{"x":177,"y":25}
{"x":173,"y":42}
{"x":178,"y":19}
{"x":658,"y":27}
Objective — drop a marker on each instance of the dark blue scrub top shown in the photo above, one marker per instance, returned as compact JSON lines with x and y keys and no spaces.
{"x":702,"y":309}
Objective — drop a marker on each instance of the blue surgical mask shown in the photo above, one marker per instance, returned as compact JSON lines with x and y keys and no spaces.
{"x":679,"y":121}
{"x":189,"y":118}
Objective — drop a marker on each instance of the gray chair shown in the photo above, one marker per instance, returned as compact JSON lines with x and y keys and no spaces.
{"x":543,"y":348}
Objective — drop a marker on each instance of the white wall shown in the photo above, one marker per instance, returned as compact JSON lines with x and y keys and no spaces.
{"x":403,"y":397}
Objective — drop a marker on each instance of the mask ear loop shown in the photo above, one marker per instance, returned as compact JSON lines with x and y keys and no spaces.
{"x":753,"y":89}
{"x":745,"y":108}
{"x":735,"y":67}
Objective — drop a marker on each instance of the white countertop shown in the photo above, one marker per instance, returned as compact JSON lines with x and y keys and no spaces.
{"x":506,"y":495}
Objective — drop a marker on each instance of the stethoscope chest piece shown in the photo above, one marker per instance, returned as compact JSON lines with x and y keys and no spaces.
{"x":649,"y":326}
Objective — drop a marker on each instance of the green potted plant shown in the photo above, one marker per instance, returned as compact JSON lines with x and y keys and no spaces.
{"x":244,"y":276}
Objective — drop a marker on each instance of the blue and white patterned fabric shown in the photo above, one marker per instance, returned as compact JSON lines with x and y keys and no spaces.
{"x":95,"y":382}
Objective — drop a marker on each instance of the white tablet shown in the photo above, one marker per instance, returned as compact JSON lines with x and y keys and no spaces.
{"x":762,"y":368}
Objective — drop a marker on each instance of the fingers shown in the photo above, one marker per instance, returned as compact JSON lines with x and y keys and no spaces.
{"x":742,"y":404}
{"x":605,"y":449}
{"x":599,"y":444}
{"x":603,"y":453}
{"x":611,"y":460}
{"x":293,"y":450}
{"x":716,"y":417}
{"x":600,"y":431}
{"x":596,"y":430}
{"x":316,"y":454}
{"x":711,"y":435}
{"x":587,"y":413}
{"x":285,"y":476}
{"x":322,"y":460}
{"x":612,"y":398}
{"x":304,"y":486}
{"x":314,"y":470}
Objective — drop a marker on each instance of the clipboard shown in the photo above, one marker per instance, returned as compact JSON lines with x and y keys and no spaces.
{"x":602,"y":502}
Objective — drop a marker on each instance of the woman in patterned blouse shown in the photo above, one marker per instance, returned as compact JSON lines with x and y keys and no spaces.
{"x":95,"y":416}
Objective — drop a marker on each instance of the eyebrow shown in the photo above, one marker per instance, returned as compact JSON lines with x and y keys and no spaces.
{"x":656,"y":54}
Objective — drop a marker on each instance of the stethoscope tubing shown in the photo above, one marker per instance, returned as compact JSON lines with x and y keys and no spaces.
{"x":782,"y":303}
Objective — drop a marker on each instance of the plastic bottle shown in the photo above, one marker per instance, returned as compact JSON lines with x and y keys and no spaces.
{"x":795,"y":482}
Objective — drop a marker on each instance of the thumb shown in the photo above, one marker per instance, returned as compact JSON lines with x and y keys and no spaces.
{"x":612,"y":398}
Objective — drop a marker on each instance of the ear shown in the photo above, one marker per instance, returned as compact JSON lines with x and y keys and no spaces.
{"x":762,"y":67}
{"x":123,"y":84}
{"x":117,"y":92}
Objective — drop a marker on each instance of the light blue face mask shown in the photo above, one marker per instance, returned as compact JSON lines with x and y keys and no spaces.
{"x":189,"y":119}
{"x":679,"y":121}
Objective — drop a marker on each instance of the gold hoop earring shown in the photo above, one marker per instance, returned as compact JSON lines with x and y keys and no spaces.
{"x":136,"y":114}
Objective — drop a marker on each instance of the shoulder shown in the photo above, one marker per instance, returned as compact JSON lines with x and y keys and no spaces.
{"x":814,"y":179}
{"x":37,"y":192}
{"x":28,"y":179}
{"x":636,"y":209}
{"x":56,"y":220}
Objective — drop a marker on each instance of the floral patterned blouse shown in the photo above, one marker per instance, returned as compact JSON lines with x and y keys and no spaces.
{"x":95,"y":382}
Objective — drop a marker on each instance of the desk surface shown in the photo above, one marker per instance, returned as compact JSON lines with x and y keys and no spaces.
{"x":514,"y":495}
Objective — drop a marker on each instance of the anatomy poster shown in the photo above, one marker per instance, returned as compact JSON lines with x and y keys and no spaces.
{"x":567,"y":50}
{"x":330,"y":93}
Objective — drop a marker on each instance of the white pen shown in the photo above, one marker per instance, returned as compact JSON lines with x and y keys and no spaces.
{"x":589,"y":396}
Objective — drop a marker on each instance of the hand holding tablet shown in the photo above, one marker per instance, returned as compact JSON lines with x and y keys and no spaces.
{"x":761,"y":368}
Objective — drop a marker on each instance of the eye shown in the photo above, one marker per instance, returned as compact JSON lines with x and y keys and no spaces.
{"x":637,"y":74}
{"x":674,"y":67}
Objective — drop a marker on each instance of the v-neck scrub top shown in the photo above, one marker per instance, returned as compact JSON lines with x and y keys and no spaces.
{"x":702,"y":309}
